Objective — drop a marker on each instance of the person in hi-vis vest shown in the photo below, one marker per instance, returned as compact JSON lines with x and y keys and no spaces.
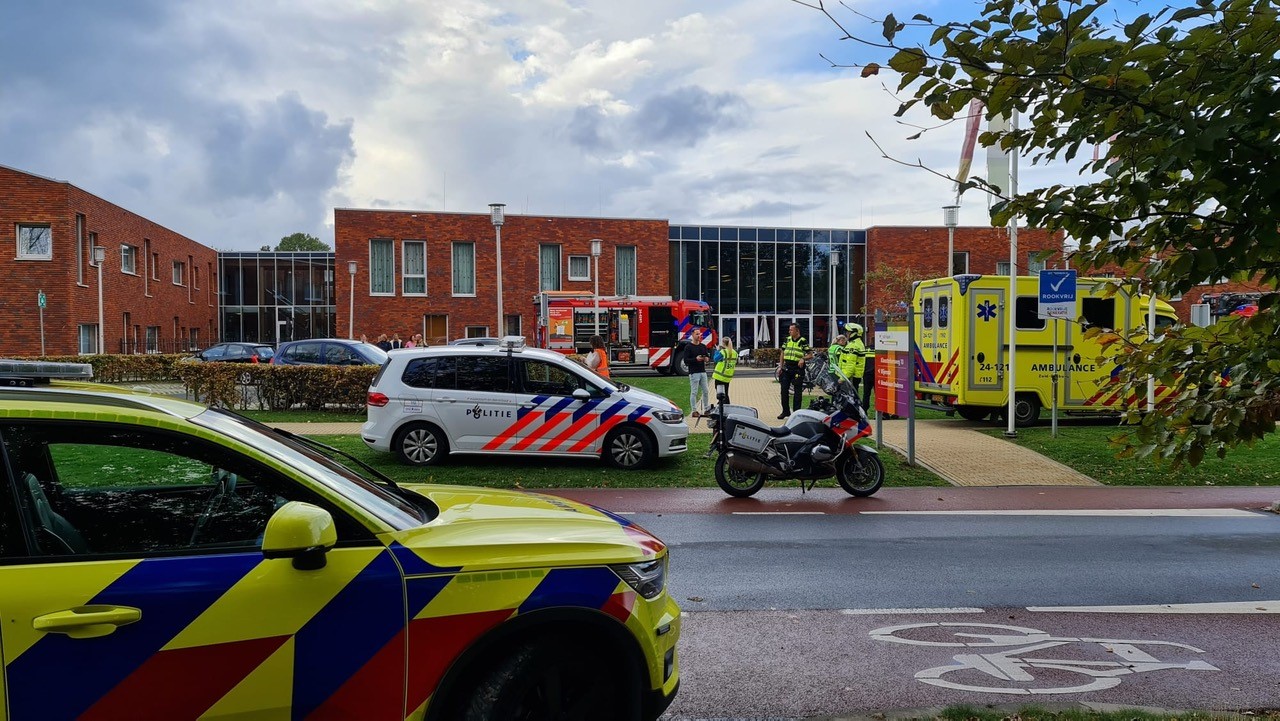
{"x":726,"y":360}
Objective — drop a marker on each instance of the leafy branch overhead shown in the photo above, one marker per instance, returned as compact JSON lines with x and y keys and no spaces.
{"x":1187,"y":101}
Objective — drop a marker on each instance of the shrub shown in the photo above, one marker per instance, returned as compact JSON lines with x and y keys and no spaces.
{"x":766,"y":356}
{"x":268,"y":387}
{"x":109,"y":368}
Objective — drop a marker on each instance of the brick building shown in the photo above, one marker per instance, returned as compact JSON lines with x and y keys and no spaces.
{"x":435,"y":273}
{"x":158,"y":287}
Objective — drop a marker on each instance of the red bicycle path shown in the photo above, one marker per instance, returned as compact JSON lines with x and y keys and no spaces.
{"x":1004,"y":498}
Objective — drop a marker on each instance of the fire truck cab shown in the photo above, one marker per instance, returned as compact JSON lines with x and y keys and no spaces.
{"x":638,"y":331}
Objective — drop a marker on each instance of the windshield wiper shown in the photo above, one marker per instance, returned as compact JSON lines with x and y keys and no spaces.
{"x":312,"y":443}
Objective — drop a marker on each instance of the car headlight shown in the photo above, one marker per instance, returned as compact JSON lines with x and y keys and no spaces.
{"x":648,"y":578}
{"x":669,"y":416}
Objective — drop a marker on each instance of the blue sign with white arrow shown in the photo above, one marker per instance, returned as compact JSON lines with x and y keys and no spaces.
{"x":1057,"y":294}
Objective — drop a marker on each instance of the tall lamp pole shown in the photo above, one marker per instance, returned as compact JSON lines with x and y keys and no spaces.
{"x":496,"y":217}
{"x":351,"y":302}
{"x":597,"y":247}
{"x":951,"y":218}
{"x":99,"y":259}
{"x":835,"y":262}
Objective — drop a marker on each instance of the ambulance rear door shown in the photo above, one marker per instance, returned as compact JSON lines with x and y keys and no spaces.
{"x":986,"y":340}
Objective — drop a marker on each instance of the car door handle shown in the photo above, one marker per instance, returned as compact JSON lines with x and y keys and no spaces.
{"x":87,"y":621}
{"x":447,"y":399}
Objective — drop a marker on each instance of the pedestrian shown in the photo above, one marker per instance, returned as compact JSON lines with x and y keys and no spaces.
{"x":414,"y":341}
{"x":726,"y":360}
{"x":834,"y":354}
{"x":791,"y":369}
{"x":598,"y":358}
{"x":396,"y":342}
{"x":696,"y":356}
{"x":853,"y":362}
{"x":383,"y":343}
{"x":364,"y":338}
{"x":868,"y":376}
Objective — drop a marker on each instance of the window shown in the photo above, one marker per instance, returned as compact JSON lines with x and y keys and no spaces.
{"x":943,"y":311}
{"x":303,"y":353}
{"x":112,"y":489}
{"x":80,"y":249}
{"x":442,"y":374}
{"x":960,"y":262}
{"x":88,"y":333}
{"x":415,"y":267}
{"x":421,"y":372}
{"x":195,"y":275}
{"x":179,"y":272}
{"x":191,"y":263}
{"x":153,"y":339}
{"x":624,"y":270}
{"x":129,"y":259}
{"x":35,"y":242}
{"x":513,"y":324}
{"x":147,"y":272}
{"x":193,"y":338}
{"x":435,"y":329}
{"x":464,"y":268}
{"x":476,"y":331}
{"x":1035,"y":266}
{"x":579,"y":267}
{"x":548,"y":267}
{"x":1098,"y":312}
{"x":928,"y":313}
{"x":155,"y":266}
{"x":382,"y":267}
{"x":1002,"y":268}
{"x":542,"y":378}
{"x":1027,"y":313}
{"x":487,"y":374}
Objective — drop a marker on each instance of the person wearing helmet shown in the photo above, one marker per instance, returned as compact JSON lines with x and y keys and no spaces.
{"x":854,"y":359}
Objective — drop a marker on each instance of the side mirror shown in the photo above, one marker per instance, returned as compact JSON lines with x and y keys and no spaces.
{"x":302,"y":532}
{"x":581,"y":394}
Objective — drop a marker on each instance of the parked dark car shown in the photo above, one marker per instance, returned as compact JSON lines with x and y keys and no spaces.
{"x":237,"y":353}
{"x":328,"y":351}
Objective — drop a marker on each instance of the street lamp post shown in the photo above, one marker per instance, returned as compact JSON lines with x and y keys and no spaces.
{"x":597,"y":247}
{"x":99,"y":259}
{"x":951,"y":218}
{"x":351,"y":302}
{"x":835,"y":262}
{"x":496,"y":217}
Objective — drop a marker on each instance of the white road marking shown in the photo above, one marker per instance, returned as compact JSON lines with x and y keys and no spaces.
{"x":894,"y":611}
{"x":779,"y":513}
{"x":1231,"y":607}
{"x":624,"y":513}
{"x":1124,"y":512}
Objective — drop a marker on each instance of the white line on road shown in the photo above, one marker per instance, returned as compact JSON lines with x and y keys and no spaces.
{"x":893,"y":611}
{"x":1131,"y":512}
{"x":1179,"y":608}
{"x":779,"y":513}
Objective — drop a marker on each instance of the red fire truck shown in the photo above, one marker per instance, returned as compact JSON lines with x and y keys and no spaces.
{"x":638,"y":331}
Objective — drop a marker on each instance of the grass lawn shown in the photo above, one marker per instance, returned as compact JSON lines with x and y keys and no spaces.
{"x":1085,"y":448}
{"x":688,"y":470}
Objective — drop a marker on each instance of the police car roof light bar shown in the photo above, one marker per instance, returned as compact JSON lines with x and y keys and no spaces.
{"x":44,"y":370}
{"x":512,"y":342}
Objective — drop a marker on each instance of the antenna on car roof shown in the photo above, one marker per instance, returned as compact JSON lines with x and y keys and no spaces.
{"x":512,"y":342}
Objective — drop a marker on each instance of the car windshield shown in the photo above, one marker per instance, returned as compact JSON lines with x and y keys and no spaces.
{"x":397,"y":512}
{"x":373,"y":353}
{"x":264,"y":351}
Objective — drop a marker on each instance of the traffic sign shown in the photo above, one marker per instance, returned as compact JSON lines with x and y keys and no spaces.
{"x":1058,"y":294}
{"x":41,"y":300}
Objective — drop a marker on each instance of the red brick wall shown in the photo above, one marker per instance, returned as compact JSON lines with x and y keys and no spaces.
{"x":1195,"y":294}
{"x":521,"y":236}
{"x":923,"y":250}
{"x":26,"y":198}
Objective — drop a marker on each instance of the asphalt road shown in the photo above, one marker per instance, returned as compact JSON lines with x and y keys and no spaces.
{"x":785,"y":614}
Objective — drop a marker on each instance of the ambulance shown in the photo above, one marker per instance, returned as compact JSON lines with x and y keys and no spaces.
{"x":962,"y":348}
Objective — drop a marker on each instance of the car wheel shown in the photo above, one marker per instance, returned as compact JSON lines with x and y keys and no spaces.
{"x":545,"y":681}
{"x":244,"y":378}
{"x":628,"y":448}
{"x":1026,"y":410}
{"x":420,"y":444}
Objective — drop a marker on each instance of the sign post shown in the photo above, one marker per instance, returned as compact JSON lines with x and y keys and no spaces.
{"x":895,"y":386}
{"x":1057,"y":301}
{"x":41,"y":301}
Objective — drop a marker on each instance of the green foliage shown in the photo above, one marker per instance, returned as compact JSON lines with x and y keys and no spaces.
{"x":123,"y":368}
{"x":1187,"y":101}
{"x":268,"y":387}
{"x":300,"y":242}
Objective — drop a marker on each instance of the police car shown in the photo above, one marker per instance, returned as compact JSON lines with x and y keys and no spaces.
{"x":162,"y":560}
{"x":427,"y":403}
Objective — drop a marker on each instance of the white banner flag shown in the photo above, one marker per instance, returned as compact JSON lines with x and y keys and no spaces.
{"x":997,"y":158}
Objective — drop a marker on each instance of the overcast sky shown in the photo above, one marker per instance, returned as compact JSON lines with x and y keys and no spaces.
{"x":236,"y":122}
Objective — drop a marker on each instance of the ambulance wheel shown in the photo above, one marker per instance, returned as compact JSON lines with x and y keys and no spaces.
{"x":541,"y":680}
{"x":973,"y":413}
{"x":1026,"y":410}
{"x":739,"y":484}
{"x":628,"y":447}
{"x":420,"y":444}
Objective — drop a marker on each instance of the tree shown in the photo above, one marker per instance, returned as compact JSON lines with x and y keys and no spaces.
{"x":889,"y":287}
{"x":300,"y":241}
{"x":1187,"y":100}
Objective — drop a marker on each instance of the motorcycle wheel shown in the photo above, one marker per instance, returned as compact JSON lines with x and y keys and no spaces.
{"x":861,"y":474}
{"x":739,"y":484}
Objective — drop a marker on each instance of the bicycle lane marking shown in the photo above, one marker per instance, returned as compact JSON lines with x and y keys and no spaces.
{"x":1014,"y":665}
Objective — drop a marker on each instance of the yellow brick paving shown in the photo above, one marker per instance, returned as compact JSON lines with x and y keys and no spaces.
{"x":953,"y":449}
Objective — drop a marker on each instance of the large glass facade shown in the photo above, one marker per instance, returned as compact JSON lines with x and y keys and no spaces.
{"x":759,"y":280}
{"x":276,"y":297}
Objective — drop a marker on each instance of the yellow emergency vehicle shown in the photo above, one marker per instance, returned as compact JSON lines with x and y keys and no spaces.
{"x":962,"y":348}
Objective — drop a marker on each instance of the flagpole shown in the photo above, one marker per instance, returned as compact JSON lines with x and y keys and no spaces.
{"x":1012,"y":303}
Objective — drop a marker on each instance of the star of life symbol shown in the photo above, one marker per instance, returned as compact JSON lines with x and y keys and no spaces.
{"x":986,"y":310}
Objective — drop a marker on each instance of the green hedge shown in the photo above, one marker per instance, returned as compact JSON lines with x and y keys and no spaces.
{"x":123,"y":368}
{"x":268,"y":387}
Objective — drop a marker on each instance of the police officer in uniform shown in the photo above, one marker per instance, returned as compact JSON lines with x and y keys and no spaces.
{"x":726,"y":359}
{"x":791,"y":368}
{"x":853,"y":360}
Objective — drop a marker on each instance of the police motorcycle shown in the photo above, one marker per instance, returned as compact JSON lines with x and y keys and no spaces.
{"x":815,"y":443}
